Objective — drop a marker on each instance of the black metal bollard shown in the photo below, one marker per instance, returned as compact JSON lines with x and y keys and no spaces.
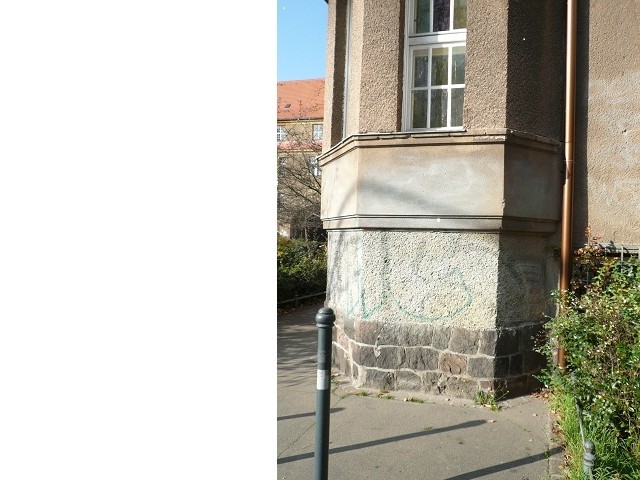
{"x":325,"y":320}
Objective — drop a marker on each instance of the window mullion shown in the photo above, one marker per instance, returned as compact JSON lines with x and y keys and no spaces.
{"x":429,"y":88}
{"x":431,"y":15}
{"x":449,"y":82}
{"x":451,"y":14}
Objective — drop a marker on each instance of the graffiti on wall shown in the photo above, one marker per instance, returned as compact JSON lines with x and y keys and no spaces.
{"x":422,"y":282}
{"x":434,"y":278}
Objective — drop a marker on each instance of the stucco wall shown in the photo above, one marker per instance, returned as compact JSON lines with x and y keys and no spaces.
{"x":607,"y":156}
{"x":515,"y":66}
{"x":488,"y":180}
{"x":441,"y":312}
{"x":396,"y":276}
{"x":458,"y":279}
{"x":334,"y":82}
{"x":486,"y":64}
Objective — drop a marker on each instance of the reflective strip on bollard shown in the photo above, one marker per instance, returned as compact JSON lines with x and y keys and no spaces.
{"x":322,"y":382}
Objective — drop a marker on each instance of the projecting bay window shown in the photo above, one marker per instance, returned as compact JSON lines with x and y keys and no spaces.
{"x":435,"y":64}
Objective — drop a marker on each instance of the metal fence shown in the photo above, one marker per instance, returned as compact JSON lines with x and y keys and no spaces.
{"x":296,"y":300}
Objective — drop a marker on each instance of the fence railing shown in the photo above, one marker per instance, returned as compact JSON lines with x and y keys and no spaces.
{"x":296,"y":300}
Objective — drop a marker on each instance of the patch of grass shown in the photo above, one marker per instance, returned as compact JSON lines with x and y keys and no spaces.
{"x":414,"y":400}
{"x":362,"y":393}
{"x":612,"y":462}
{"x":486,"y":399}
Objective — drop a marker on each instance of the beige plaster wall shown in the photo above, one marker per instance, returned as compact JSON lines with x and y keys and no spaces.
{"x":334,"y":83}
{"x":354,"y":67}
{"x":607,"y":157}
{"x":515,"y":66}
{"x":466,"y":181}
{"x":381,"y":89}
{"x":486,"y":64}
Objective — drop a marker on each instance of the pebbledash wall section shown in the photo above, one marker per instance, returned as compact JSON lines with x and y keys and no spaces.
{"x":442,"y":246}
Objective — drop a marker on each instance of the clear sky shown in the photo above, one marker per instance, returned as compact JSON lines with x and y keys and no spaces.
{"x":302,"y":39}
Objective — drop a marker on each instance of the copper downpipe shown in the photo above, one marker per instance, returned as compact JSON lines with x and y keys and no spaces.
{"x":569,"y":130}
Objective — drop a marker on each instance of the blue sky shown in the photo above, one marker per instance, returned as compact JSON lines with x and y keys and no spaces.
{"x":302,"y":38}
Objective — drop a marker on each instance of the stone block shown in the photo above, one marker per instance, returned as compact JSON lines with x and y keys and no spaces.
{"x":487,"y":342}
{"x":532,"y":362}
{"x":515,"y":364}
{"x":441,"y":337}
{"x":458,"y":387}
{"x":481,"y":367}
{"x":452,"y":363}
{"x":407,"y":380}
{"x":508,"y":342}
{"x":464,"y":341}
{"x":421,"y":358}
{"x":342,"y":362}
{"x":390,"y":334}
{"x":532,"y":337}
{"x":429,"y":380}
{"x":389,"y":357}
{"x":364,"y":355}
{"x":374,"y":378}
{"x":515,"y":386}
{"x":342,"y":340}
{"x":367,"y":332}
{"x":501,"y":365}
{"x":417,"y":335}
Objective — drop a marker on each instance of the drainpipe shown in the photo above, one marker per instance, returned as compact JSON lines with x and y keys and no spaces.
{"x":569,"y":129}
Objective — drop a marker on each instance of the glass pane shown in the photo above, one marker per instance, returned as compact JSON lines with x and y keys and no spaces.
{"x":441,"y":15}
{"x":421,"y":72}
{"x":423,"y":16}
{"x":438,"y":114}
{"x":460,"y":14}
{"x":457,"y":65}
{"x":439,"y":66}
{"x":420,"y":108}
{"x":457,"y":102}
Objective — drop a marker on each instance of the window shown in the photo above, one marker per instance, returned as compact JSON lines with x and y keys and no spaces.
{"x":435,"y":64}
{"x":282,"y":133}
{"x":317,"y":132}
{"x":314,"y":168}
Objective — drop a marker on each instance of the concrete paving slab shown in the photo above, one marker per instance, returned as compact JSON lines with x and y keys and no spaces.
{"x":376,"y":437}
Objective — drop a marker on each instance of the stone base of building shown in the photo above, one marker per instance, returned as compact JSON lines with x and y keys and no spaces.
{"x":441,"y":360}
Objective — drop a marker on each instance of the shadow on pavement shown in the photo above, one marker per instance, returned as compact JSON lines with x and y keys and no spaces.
{"x":506,"y":466}
{"x":373,"y":443}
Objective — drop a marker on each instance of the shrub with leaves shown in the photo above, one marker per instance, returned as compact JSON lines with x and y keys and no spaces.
{"x":302,"y":267}
{"x":598,"y":326}
{"x":600,"y":332}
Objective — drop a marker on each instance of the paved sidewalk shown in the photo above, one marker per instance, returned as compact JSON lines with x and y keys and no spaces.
{"x":392,"y":439}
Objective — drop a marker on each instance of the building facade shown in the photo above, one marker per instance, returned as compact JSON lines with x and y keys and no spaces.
{"x":445,"y":174}
{"x":299,"y":144}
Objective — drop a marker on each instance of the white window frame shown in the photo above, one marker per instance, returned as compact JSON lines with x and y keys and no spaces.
{"x":314,"y":135}
{"x":314,"y":168}
{"x":281,"y":134}
{"x":416,"y":43}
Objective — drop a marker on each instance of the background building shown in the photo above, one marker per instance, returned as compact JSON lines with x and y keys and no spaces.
{"x":452,"y":129}
{"x":299,"y":140}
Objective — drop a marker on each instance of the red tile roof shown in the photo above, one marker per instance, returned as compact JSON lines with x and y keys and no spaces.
{"x":301,"y":99}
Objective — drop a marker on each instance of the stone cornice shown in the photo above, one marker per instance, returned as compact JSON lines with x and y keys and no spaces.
{"x":416,"y":139}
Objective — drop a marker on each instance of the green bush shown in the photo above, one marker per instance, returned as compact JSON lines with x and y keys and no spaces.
{"x":302,"y":267}
{"x":598,"y":326}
